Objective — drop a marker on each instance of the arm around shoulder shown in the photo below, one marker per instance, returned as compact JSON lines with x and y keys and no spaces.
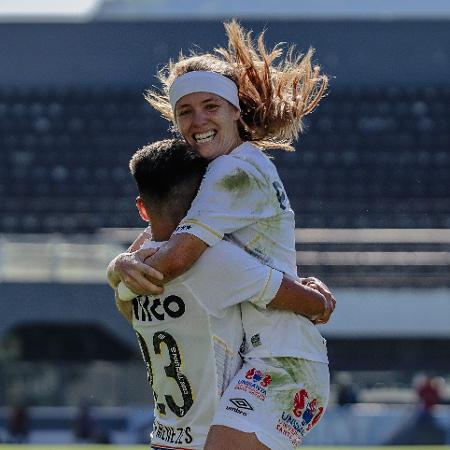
{"x":177,"y":255}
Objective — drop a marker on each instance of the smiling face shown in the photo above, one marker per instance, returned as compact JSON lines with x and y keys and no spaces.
{"x":208,"y":123}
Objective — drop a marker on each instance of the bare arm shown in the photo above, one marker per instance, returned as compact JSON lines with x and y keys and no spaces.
{"x":177,"y":255}
{"x":130,"y":268}
{"x":137,"y":243}
{"x":320,"y":286}
{"x":143,"y":271}
{"x":305,"y":299}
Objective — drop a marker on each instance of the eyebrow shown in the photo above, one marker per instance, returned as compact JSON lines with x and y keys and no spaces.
{"x":208,"y":99}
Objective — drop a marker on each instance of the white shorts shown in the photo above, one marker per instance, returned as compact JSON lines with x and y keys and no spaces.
{"x":278,"y":399}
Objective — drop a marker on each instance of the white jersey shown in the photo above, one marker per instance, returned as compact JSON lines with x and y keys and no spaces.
{"x":190,"y":338}
{"x":242,"y":198}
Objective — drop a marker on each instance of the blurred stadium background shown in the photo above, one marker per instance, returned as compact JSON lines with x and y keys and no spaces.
{"x":370,"y":184}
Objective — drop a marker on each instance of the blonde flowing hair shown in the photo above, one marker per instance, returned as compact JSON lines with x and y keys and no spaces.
{"x":274,"y":96}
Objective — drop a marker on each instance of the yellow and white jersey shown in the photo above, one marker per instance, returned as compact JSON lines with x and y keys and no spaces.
{"x":190,"y":338}
{"x":242,"y":199}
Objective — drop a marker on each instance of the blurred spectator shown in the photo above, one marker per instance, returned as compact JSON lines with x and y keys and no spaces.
{"x":428,"y":392}
{"x":85,"y":429}
{"x":346,"y":395}
{"x":346,"y":390}
{"x":83,"y":426}
{"x":18,"y":424}
{"x":101,"y":436}
{"x":422,"y":428}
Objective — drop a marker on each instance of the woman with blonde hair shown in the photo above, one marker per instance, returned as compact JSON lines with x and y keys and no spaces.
{"x":230,"y":106}
{"x":272,"y":98}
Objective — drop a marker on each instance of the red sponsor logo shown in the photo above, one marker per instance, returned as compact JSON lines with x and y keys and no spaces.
{"x":258,"y":377}
{"x":307,"y":409}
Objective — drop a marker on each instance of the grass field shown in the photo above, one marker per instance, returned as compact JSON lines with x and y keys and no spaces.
{"x":145,"y":447}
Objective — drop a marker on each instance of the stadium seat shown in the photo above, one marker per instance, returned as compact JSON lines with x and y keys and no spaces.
{"x":371,"y":157}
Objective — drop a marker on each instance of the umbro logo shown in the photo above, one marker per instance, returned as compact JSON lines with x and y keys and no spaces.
{"x":241,"y":403}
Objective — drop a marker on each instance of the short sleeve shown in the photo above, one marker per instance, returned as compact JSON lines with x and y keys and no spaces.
{"x":226,"y":275}
{"x":232,"y":195}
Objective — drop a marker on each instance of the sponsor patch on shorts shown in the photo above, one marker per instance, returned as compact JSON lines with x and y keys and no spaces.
{"x":304,"y":415}
{"x":255,"y":383}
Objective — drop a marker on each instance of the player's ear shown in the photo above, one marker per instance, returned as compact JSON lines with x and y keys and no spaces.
{"x":141,"y":208}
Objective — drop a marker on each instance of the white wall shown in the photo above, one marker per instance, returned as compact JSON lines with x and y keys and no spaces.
{"x":287,"y":9}
{"x":390,"y":312}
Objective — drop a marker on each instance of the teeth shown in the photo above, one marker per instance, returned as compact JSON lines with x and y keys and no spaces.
{"x":205,"y":137}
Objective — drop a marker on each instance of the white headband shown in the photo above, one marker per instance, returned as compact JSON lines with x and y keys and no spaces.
{"x":203,"y":81}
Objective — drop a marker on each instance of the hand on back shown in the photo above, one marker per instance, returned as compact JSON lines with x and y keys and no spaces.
{"x":321,"y":287}
{"x":141,"y":278}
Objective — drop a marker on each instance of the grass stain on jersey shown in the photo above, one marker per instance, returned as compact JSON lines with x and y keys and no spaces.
{"x":239,"y":182}
{"x":287,"y":381}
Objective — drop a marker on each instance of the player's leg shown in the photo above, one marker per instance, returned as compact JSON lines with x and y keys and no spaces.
{"x":224,"y":438}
